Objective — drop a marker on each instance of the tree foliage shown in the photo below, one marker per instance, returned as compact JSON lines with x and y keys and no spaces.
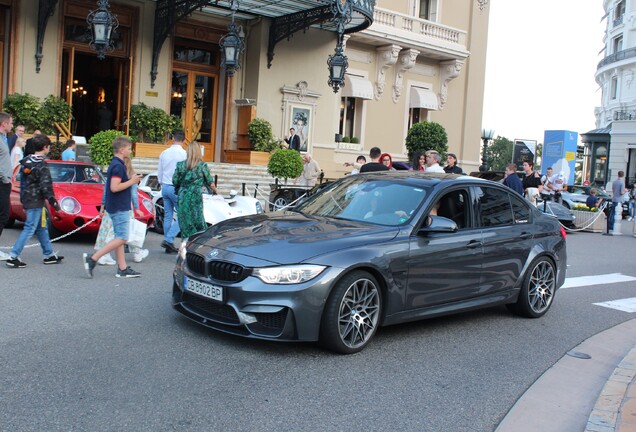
{"x":151,"y":125}
{"x":500,"y":153}
{"x":285,"y":163}
{"x":425,"y":136}
{"x":100,"y":146}
{"x":27,"y":110}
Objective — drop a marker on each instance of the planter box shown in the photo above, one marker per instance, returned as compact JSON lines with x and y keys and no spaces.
{"x":583,"y":219}
{"x":152,"y":150}
{"x":247,"y":157}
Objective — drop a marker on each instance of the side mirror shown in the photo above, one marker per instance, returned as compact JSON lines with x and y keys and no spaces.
{"x":146,"y":189}
{"x":439,"y":224}
{"x":233,"y":193}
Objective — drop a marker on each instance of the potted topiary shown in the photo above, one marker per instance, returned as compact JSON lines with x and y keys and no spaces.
{"x":150,"y":126}
{"x":285,"y":163}
{"x":425,"y":136}
{"x":100,"y":147}
{"x":27,"y":110}
{"x":259,"y":134}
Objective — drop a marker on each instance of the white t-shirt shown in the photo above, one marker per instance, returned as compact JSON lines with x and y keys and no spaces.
{"x":16,"y":156}
{"x":558,"y":181}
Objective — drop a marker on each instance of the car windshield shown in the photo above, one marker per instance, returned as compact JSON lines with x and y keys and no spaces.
{"x":368,"y":199}
{"x":69,"y":173}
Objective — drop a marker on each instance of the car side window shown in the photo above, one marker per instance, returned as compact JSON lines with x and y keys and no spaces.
{"x":454,"y":205}
{"x":520,"y":210}
{"x":495,"y":208}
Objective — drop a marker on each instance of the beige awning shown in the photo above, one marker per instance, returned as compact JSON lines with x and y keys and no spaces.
{"x":423,"y":98}
{"x":357,"y":87}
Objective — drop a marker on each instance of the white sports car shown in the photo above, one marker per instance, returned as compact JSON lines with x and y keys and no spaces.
{"x":215,"y":207}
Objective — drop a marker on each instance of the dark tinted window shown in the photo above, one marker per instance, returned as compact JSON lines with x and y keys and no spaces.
{"x":520,"y":209}
{"x":495,"y":207}
{"x":454,"y":205}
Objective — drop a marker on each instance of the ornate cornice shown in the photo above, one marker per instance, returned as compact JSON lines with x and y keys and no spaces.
{"x":406,"y":61}
{"x":449,"y":70}
{"x":387,"y":56}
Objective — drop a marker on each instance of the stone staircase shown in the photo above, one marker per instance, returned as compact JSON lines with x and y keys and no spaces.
{"x":230,"y":177}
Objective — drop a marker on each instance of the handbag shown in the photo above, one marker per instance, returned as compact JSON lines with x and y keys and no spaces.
{"x":136,"y":233}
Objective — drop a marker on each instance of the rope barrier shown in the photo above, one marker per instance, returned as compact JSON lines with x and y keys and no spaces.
{"x":599,"y":213}
{"x":60,"y":237}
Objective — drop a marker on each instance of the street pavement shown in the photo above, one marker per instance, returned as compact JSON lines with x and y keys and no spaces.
{"x":79,"y":354}
{"x":592,"y":388}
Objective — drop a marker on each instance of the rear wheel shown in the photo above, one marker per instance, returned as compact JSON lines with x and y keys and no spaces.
{"x":352,"y":313}
{"x":537,"y":291}
{"x":159,"y":216}
{"x":281,"y":201}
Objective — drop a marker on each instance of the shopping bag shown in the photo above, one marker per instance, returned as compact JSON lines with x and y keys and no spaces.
{"x":136,"y":233}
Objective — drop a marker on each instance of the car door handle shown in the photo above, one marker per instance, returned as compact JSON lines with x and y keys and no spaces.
{"x":474,"y":244}
{"x":525,"y":236}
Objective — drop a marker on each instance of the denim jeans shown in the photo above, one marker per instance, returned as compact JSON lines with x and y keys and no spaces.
{"x":170,"y":205}
{"x":612,"y":216}
{"x":33,"y":224}
{"x":632,"y":208}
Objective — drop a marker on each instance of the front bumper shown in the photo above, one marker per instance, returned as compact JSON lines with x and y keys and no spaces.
{"x":253,"y":309}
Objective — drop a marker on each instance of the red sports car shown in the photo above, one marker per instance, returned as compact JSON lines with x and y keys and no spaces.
{"x":78,"y":187}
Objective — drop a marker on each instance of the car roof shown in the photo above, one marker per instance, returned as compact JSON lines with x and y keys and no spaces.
{"x":61,"y":162}
{"x":424,"y":178}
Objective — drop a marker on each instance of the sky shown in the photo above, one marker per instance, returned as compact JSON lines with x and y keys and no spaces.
{"x":540,"y":65}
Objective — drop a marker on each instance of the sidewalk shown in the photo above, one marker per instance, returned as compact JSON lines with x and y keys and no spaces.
{"x":596,"y":394}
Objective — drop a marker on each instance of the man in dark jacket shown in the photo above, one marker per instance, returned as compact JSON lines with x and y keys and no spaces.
{"x":38,"y":187}
{"x":512,"y":180}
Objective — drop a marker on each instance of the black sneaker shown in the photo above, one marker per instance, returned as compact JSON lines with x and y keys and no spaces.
{"x":89,"y":264}
{"x":169,"y":247}
{"x":15,"y":263}
{"x":128,"y":273}
{"x":53,"y":259}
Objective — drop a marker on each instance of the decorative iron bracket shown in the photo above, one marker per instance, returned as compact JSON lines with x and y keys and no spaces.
{"x":46,"y":9}
{"x":285,"y":26}
{"x":167,"y":14}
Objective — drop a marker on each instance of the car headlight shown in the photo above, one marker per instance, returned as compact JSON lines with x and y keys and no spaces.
{"x":293,"y":274}
{"x":148,"y":205}
{"x":259,"y":207}
{"x":70,"y":205}
{"x":183,"y":250}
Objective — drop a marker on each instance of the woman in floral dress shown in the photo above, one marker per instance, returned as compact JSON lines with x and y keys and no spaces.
{"x":189,"y":177}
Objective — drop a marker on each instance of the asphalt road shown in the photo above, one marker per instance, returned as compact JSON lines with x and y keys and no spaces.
{"x":107,"y":354}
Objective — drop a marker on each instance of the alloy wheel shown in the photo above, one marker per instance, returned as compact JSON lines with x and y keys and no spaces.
{"x":359,"y":313}
{"x":541,"y":287}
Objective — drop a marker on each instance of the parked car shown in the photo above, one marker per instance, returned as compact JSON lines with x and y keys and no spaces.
{"x":367,"y":251}
{"x":286,"y":197}
{"x":215,"y":207}
{"x":578,"y":194}
{"x":78,"y":187}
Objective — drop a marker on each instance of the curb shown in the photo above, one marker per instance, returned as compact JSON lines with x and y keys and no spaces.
{"x":616,"y":405}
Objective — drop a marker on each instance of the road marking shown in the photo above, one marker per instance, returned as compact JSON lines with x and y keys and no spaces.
{"x":596,"y":280}
{"x":625,"y":305}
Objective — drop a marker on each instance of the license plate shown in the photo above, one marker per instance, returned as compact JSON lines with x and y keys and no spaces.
{"x":203,"y":289}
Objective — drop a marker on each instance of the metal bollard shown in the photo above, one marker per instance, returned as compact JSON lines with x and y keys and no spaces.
{"x":243,"y":189}
{"x":255,"y":190}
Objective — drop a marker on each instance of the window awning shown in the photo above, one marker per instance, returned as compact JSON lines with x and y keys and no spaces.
{"x":357,"y":87}
{"x":423,"y":98}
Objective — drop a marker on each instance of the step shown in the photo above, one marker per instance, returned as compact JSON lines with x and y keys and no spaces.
{"x":230,"y":177}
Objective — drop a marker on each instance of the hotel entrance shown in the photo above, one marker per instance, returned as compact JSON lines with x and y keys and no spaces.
{"x":98,"y":91}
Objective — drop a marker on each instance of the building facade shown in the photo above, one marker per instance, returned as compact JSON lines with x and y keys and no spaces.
{"x":413,"y":60}
{"x":611,"y":147}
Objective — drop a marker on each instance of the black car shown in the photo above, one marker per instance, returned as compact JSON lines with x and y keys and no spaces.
{"x":368,"y":251}
{"x":286,"y":197}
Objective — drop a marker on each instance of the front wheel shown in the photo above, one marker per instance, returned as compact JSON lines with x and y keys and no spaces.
{"x":281,"y":201}
{"x":352,"y":313}
{"x":538,"y":290}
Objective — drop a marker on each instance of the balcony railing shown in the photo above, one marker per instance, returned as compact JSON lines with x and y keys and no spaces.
{"x":621,"y":55}
{"x":618,"y":21}
{"x":624,"y":115}
{"x":417,"y":26}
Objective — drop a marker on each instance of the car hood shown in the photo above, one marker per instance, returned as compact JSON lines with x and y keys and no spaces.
{"x":85,"y":193}
{"x":288,"y":237}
